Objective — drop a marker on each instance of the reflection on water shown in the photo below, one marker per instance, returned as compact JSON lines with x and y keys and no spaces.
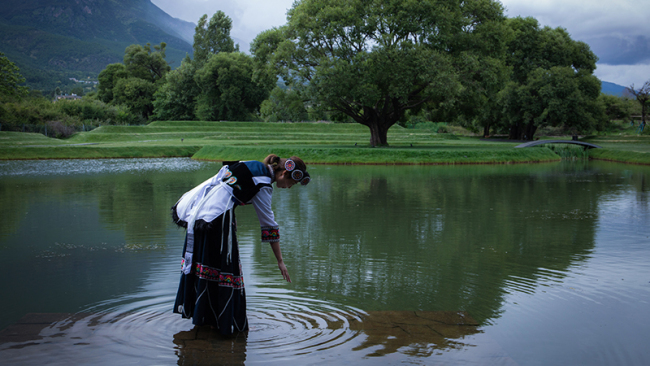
{"x":529,"y":264}
{"x":275,"y":337}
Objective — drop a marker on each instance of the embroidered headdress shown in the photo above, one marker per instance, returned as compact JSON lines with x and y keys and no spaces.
{"x":297,"y":174}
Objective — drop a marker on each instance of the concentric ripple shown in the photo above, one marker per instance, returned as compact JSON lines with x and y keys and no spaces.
{"x":301,"y":326}
{"x":146,"y":330}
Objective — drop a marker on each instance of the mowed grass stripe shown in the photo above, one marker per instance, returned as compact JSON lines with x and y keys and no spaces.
{"x":324,"y":155}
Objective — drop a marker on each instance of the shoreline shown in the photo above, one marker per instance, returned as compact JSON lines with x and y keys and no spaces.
{"x":343,"y":156}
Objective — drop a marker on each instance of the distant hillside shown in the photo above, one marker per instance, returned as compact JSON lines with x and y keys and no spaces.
{"x":53,"y":40}
{"x":611,"y":88}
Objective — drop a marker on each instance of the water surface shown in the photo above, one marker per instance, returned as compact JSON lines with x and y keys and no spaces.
{"x":552,"y":261}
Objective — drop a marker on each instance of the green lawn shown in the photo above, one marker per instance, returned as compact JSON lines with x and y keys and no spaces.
{"x":315,"y":142}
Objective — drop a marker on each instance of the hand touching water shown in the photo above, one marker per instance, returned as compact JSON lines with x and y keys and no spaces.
{"x":283,"y":270}
{"x":278,"y":255}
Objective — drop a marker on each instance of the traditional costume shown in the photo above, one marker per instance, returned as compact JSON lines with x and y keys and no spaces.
{"x":211,"y":291}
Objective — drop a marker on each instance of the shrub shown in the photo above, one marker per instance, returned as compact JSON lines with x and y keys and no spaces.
{"x":59,"y":129}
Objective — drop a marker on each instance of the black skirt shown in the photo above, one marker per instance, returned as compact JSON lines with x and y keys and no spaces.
{"x":213,"y":292}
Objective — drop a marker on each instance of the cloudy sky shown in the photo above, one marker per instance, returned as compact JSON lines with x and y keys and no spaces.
{"x":618,"y":31}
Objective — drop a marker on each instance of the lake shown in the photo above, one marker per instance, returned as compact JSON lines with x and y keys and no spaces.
{"x":530,"y":264}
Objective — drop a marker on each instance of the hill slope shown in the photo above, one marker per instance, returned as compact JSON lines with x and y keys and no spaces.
{"x":54,"y":40}
{"x":611,"y":88}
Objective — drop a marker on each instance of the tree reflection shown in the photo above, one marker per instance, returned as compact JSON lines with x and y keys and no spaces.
{"x":439,"y":238}
{"x":417,"y":334}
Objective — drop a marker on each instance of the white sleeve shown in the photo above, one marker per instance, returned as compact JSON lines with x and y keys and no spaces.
{"x":262,"y":204}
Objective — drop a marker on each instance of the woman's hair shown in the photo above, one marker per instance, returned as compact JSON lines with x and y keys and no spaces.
{"x":278,"y":163}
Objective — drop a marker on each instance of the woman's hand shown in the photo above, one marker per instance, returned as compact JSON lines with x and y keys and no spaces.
{"x":283,"y":270}
{"x":278,"y":255}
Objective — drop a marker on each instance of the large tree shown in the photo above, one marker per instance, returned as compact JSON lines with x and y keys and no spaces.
{"x":231,"y":88}
{"x":373,"y":60}
{"x":176,"y":98}
{"x":642,"y":96}
{"x":552,"y":82}
{"x":555,"y":97}
{"x":134,"y":82}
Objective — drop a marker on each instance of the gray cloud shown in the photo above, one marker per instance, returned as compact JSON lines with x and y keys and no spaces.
{"x":619,"y":50}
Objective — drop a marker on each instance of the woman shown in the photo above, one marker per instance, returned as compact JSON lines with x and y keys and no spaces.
{"x":211,"y":291}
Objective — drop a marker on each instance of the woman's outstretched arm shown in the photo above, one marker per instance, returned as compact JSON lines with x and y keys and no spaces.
{"x":278,"y":255}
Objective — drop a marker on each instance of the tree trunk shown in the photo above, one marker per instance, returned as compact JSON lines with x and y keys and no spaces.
{"x":486,"y":131}
{"x":530,"y":131}
{"x":378,"y":133}
{"x":515,"y":131}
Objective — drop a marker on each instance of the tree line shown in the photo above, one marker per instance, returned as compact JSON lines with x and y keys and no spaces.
{"x":377,"y":64}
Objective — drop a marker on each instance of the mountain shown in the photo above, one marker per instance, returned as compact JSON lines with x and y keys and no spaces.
{"x":54,"y":40}
{"x":611,"y":88}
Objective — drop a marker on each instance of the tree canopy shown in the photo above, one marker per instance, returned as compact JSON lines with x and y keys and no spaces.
{"x":107,"y":80}
{"x":616,"y":107}
{"x":552,"y":82}
{"x":143,"y":63}
{"x":230,"y":87}
{"x":176,"y":98}
{"x":136,"y":94}
{"x":283,"y":105}
{"x":134,"y":82}
{"x":374,"y":60}
{"x":213,"y":36}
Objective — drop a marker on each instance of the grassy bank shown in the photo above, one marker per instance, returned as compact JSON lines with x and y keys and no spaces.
{"x":620,"y":156}
{"x":631,"y":149}
{"x":638,"y":143}
{"x":315,"y":142}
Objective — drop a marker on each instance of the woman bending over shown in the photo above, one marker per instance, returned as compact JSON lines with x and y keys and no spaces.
{"x":211,"y":290}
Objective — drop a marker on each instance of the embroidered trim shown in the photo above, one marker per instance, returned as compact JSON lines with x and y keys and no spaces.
{"x":270,"y":233}
{"x":213,"y":274}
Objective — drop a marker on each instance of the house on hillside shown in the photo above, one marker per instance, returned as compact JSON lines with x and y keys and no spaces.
{"x":68,"y":97}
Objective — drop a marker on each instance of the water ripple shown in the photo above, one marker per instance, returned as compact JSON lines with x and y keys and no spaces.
{"x":146,"y":330}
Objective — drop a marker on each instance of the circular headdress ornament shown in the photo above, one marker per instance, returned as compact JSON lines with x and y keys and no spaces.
{"x":290,"y":165}
{"x":296,"y":174}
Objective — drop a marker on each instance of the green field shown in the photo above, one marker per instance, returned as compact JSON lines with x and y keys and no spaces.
{"x":325,"y":143}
